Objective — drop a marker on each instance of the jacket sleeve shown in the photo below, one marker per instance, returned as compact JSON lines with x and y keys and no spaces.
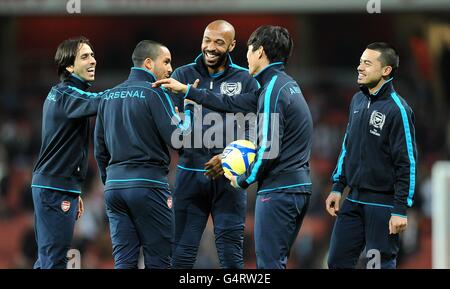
{"x":271,"y":122}
{"x":101,"y":153}
{"x":403,"y":149}
{"x":251,"y":85}
{"x":78,"y":103}
{"x":338,"y":177}
{"x":247,"y":102}
{"x":168,"y":122}
{"x":177,"y":100}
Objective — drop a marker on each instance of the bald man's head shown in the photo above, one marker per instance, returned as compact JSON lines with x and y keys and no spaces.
{"x":223,"y":27}
{"x":218,"y":40}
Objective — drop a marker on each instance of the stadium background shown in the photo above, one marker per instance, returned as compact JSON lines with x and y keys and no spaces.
{"x":329,"y":37}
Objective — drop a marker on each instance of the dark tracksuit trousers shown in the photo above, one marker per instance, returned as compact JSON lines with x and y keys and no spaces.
{"x":129,"y":211}
{"x":196,"y":197}
{"x":55,"y":214}
{"x":278,"y":218}
{"x":358,"y":225}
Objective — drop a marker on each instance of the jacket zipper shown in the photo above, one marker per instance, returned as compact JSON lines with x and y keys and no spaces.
{"x":211,"y":85}
{"x":81,"y":162}
{"x":362,"y":130}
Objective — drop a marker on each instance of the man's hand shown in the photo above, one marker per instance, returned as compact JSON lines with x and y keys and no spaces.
{"x":214,"y":167}
{"x":332,"y":203}
{"x":397,"y":224}
{"x":196,"y":83}
{"x":171,"y":84}
{"x":174,"y":85}
{"x":233,"y":179}
{"x":80,"y":209}
{"x":188,"y":101}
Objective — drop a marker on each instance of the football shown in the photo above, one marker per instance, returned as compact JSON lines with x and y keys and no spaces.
{"x":238,"y":156}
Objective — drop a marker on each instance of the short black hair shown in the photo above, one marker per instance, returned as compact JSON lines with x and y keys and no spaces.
{"x":275,"y":40}
{"x":66,"y":53}
{"x":388,"y":57}
{"x":146,"y":49}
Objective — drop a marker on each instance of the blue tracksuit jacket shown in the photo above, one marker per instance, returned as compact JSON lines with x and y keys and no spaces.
{"x":285,"y":130}
{"x":62,"y":161}
{"x":232,"y":81}
{"x":135,"y":126}
{"x":378,"y":156}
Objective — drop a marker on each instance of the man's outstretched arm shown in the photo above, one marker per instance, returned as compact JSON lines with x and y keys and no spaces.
{"x":246,"y":102}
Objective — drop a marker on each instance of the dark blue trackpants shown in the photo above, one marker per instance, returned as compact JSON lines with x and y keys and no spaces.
{"x":195,"y":198}
{"x":278,"y":218}
{"x":140,"y":217}
{"x":361,"y":225}
{"x":54,"y":214}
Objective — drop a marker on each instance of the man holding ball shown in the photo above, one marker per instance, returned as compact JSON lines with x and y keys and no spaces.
{"x":281,"y":166}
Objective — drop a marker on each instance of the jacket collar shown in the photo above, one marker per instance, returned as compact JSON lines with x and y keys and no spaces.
{"x":386,"y":86}
{"x":141,"y":74}
{"x":266,"y":74}
{"x":76,"y":81}
{"x":200,"y":63}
